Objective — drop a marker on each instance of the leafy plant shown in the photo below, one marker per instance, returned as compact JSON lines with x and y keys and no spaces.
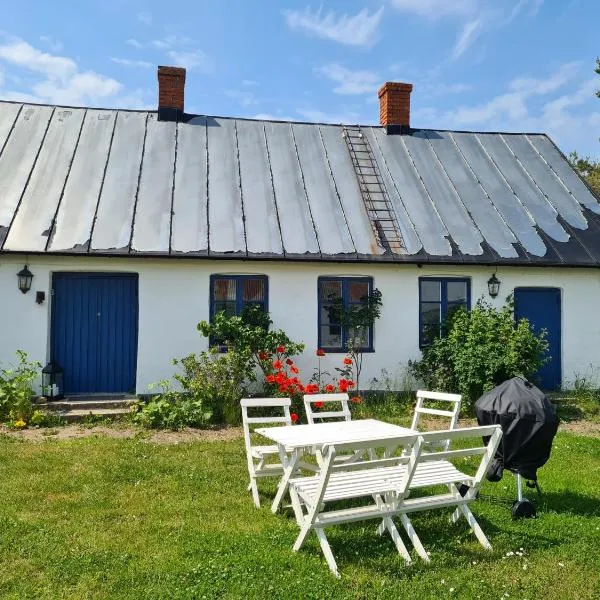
{"x":16,"y":389}
{"x":479,"y":349}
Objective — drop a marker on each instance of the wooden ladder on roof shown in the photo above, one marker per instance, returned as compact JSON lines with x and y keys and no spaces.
{"x":373,"y":191}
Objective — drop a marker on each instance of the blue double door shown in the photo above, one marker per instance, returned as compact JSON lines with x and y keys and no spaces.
{"x":542,"y":308}
{"x":94,"y":331}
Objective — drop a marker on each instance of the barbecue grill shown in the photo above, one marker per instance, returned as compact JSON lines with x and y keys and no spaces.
{"x":529,"y":423}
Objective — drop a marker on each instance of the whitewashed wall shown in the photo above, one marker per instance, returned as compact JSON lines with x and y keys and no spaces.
{"x":173,"y":297}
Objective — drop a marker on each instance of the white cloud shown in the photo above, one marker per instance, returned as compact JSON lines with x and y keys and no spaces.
{"x":436,"y":9}
{"x":350,"y":82}
{"x":134,"y":43}
{"x":52,"y":43}
{"x":249,"y":82}
{"x":171,"y":41}
{"x":55,"y":79}
{"x":191,"y":59}
{"x":126,"y":62}
{"x":19,"y":53}
{"x":145,"y":18}
{"x":360,"y":29}
{"x":318,"y":116}
{"x":469,"y":33}
{"x":244,"y":98}
{"x":272,"y":117}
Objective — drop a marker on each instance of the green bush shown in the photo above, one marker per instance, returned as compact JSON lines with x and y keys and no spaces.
{"x":211,"y":386}
{"x":16,"y":389}
{"x":478,"y":350}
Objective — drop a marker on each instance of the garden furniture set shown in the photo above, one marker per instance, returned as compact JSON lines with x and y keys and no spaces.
{"x":367,"y":469}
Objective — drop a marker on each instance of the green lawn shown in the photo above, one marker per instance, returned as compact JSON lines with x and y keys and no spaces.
{"x":112,"y":518}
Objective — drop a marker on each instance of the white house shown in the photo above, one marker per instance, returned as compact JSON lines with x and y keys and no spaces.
{"x":138,"y":224}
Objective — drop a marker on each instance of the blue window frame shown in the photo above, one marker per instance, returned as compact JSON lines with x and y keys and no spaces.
{"x":347,"y":291}
{"x":438,"y":297}
{"x":231,"y":293}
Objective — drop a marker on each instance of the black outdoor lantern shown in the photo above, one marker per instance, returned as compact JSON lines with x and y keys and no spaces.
{"x":493,"y":286}
{"x":25,"y":276}
{"x":52,"y":381}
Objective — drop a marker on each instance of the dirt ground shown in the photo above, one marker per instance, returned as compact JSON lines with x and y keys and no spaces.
{"x":588,"y":428}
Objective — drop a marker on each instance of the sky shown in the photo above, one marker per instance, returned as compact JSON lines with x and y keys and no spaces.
{"x":479,"y":65}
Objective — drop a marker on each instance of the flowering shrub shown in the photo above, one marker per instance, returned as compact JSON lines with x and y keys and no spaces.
{"x":16,"y":390}
{"x":282,"y":378}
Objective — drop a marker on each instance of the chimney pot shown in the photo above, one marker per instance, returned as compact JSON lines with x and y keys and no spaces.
{"x":394,"y":106}
{"x":171,"y":91}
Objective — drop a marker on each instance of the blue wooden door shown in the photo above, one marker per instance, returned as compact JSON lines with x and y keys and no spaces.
{"x":542,"y":307}
{"x":94,"y":331}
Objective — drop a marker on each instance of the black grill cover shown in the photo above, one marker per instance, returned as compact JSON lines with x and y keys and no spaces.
{"x":529,"y":423}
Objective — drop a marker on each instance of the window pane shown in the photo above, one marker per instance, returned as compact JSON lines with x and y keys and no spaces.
{"x":457,"y":291}
{"x":358,"y":337}
{"x":224,"y":289}
{"x":430,"y":313}
{"x":331,"y":336}
{"x":330,"y":290}
{"x":330,"y":314}
{"x":431,"y":291}
{"x":227,"y":307}
{"x":357,"y":290}
{"x":254,"y":290}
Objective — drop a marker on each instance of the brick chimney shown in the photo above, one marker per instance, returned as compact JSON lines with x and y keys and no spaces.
{"x":394,"y":106}
{"x":171,"y":90}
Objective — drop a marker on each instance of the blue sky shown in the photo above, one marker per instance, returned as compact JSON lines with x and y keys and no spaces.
{"x":504,"y":65}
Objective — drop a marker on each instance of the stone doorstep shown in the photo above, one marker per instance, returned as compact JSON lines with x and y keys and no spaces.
{"x":78,"y":408}
{"x":76,"y":415}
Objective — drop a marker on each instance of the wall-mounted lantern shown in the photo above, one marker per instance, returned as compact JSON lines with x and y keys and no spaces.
{"x":52,"y":381}
{"x":25,"y":276}
{"x":493,"y":286}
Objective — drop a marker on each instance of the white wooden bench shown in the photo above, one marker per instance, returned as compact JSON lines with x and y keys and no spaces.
{"x":384,"y":482}
{"x":423,"y":407}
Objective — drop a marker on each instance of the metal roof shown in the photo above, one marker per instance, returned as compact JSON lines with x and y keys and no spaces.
{"x":93,"y":181}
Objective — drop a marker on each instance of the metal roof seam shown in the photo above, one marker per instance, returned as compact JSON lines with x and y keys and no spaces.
{"x":458,"y":196}
{"x":273,"y":188}
{"x":387,"y":168}
{"x":12,"y":127}
{"x":312,"y":220}
{"x":335,"y":187}
{"x":14,"y":216}
{"x":239,"y":182}
{"x":516,"y":239}
{"x":171,"y":212}
{"x":435,"y":209}
{"x":112,"y":137}
{"x":207,"y":187}
{"x":62,"y":192}
{"x":563,"y":224}
{"x":137,"y":189}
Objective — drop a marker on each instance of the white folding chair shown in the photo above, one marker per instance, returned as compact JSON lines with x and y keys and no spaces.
{"x":377,"y":487}
{"x":327,"y":415}
{"x":257,"y":455}
{"x":424,"y":398}
{"x":434,"y":469}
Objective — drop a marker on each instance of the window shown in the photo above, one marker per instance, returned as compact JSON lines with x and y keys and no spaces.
{"x":438,"y":297}
{"x":231,"y":293}
{"x":337,"y":292}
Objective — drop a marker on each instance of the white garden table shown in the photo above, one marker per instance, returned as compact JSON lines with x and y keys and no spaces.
{"x":296,"y":440}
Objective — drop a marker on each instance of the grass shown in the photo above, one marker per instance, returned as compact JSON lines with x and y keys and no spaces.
{"x":113,"y":518}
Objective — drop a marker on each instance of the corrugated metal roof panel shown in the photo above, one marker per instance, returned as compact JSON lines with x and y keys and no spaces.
{"x":262,"y":222}
{"x":18,"y":157}
{"x":297,"y":230}
{"x":33,"y":221}
{"x":190,"y":201}
{"x":225,"y":212}
{"x":326,"y":210}
{"x":112,"y":228}
{"x":152,"y":219}
{"x":75,"y":216}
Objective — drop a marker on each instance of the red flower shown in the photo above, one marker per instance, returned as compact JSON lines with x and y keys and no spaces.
{"x":355,"y":400}
{"x":329,"y":388}
{"x":351,"y":383}
{"x":347,"y":361}
{"x":283,"y":387}
{"x":277,"y":365}
{"x":280,"y":349}
{"x":294,"y":369}
{"x":263,"y":355}
{"x":289,"y":361}
{"x":319,"y":404}
{"x":311,"y":388}
{"x":270,"y":378}
{"x":294,"y":417}
{"x":280,"y":377}
{"x":320,"y":352}
{"x":343,"y":385}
